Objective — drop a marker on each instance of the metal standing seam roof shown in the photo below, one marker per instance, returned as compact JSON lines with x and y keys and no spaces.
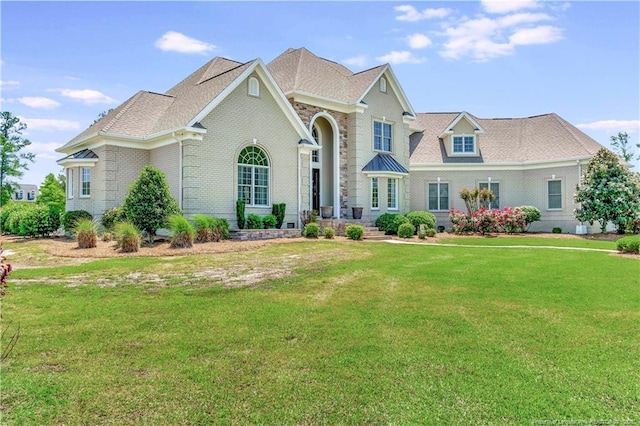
{"x":84,"y":154}
{"x":384,"y":163}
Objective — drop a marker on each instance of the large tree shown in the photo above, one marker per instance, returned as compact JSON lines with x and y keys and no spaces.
{"x":609,"y":192}
{"x":13,"y":161}
{"x":149,"y":202}
{"x":52,"y":192}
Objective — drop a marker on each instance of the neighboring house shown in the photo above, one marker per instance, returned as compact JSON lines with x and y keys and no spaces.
{"x":25,"y":192}
{"x":309,"y":132}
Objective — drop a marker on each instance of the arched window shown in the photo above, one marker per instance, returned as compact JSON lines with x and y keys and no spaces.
{"x":254,"y":87}
{"x":253,"y":176}
{"x":314,"y":155}
{"x":383,"y":85}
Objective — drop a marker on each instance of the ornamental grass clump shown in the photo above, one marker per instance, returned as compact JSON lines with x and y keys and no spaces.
{"x":86,"y":232}
{"x":203,"y":225}
{"x":182,"y":232}
{"x":128,"y":237}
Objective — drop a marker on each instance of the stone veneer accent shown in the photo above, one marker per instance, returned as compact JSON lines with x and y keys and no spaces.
{"x":306,"y":113}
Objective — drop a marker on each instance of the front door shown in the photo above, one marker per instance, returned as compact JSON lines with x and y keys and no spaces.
{"x":315,"y":189}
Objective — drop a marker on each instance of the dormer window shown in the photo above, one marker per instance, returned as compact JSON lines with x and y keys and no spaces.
{"x":254,"y":87}
{"x":383,"y":85}
{"x":463,"y":144}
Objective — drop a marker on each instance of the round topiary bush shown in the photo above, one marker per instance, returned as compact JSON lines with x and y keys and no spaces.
{"x":311,"y":230}
{"x":254,"y":221}
{"x":354,"y":232}
{"x":269,"y":221}
{"x":406,"y":230}
{"x":329,"y":233}
{"x":418,"y":218}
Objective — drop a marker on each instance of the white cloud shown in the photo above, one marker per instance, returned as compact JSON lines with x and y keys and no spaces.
{"x":49,"y":124}
{"x":395,"y":57}
{"x":173,"y":41}
{"x":39,"y":102}
{"x":87,"y":96}
{"x":7,"y":84}
{"x":630,"y":126}
{"x":508,"y":6}
{"x":356,"y":61}
{"x":410,"y":14}
{"x":485,"y":38}
{"x":418,"y":41}
{"x":45,"y":150}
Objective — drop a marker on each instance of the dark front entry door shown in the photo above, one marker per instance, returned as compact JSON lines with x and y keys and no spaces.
{"x":315,"y":189}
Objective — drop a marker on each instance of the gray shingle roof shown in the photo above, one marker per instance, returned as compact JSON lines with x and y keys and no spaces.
{"x":299,"y":70}
{"x":384,"y":163}
{"x":545,"y":137}
{"x":147,"y":113}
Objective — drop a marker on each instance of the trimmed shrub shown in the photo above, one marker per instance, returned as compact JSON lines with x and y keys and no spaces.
{"x":329,"y":233}
{"x":182,"y":232}
{"x":461,"y":223}
{"x":531,"y":214}
{"x":311,"y":230}
{"x":422,"y":235}
{"x":308,"y":216}
{"x":149,"y":203}
{"x":240,"y":205}
{"x":39,"y":220}
{"x":418,"y":218}
{"x":70,"y":218}
{"x":111,"y":217}
{"x":355,"y":232}
{"x":269,"y":222}
{"x":406,"y":230}
{"x":431,"y":233}
{"x":6,"y":212}
{"x":557,"y":230}
{"x":278,"y":210}
{"x":485,"y":221}
{"x":127,"y":237}
{"x":254,"y":221}
{"x":86,"y":232}
{"x":389,"y":222}
{"x":630,"y":244}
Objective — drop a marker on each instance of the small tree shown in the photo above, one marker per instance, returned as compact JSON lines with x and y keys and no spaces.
{"x":13,"y":162}
{"x":476,"y":198}
{"x":149,"y":202}
{"x":52,"y":193}
{"x":609,"y":192}
{"x":623,"y":147}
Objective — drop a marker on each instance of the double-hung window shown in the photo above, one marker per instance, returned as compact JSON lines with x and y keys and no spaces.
{"x":464,"y":144}
{"x":85,"y":182}
{"x":253,"y":177}
{"x":382,"y":140}
{"x":69,"y":183}
{"x":495,"y":188}
{"x":375,"y":194}
{"x":554,"y":194}
{"x":392,"y":194}
{"x":31,"y":195}
{"x":438,"y":196}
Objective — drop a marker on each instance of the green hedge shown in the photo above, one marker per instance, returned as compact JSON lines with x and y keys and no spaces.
{"x":630,"y":244}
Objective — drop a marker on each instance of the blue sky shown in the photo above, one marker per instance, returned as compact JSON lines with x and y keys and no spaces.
{"x":65,"y":62}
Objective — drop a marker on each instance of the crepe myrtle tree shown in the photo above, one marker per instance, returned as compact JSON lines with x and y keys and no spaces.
{"x":609,"y":192}
{"x":149,"y":203}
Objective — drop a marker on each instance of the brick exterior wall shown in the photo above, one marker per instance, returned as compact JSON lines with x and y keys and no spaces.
{"x":167,"y":160}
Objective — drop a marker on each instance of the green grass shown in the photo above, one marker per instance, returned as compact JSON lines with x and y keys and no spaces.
{"x":358,"y":333}
{"x":521,"y":240}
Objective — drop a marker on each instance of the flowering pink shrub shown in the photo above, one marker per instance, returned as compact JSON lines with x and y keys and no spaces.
{"x":485,"y":221}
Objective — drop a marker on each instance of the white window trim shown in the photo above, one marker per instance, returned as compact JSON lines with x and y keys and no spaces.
{"x":439,"y":209}
{"x":69,"y":184}
{"x":494,"y":182}
{"x":377,"y":180}
{"x":373,"y":134}
{"x":463,"y":154}
{"x":397,"y":192}
{"x":253,"y":167}
{"x":253,"y":87}
{"x":383,"y":85}
{"x":82,"y":181}
{"x":19,"y":195}
{"x":555,"y":209}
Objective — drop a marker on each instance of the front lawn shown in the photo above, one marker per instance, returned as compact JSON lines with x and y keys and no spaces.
{"x":327,"y":333}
